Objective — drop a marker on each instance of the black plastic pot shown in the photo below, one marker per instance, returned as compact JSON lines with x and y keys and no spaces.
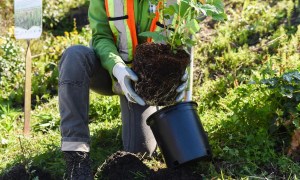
{"x":180,"y":134}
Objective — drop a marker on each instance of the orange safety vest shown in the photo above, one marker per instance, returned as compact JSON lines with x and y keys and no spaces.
{"x":121,"y":20}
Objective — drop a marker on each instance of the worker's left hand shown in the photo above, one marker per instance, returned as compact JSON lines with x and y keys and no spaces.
{"x":182,"y":87}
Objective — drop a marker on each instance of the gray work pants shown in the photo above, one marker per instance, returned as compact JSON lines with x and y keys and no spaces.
{"x":79,"y":71}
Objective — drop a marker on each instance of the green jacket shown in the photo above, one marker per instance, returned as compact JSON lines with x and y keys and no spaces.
{"x":102,"y":37}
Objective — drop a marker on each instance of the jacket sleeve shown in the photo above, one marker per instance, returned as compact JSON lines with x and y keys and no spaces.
{"x":102,"y":37}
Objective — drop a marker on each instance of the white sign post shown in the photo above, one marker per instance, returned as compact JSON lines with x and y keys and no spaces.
{"x":189,"y":91}
{"x":28,"y":25}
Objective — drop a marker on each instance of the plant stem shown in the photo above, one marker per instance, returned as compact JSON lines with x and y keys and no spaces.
{"x":176,"y":27}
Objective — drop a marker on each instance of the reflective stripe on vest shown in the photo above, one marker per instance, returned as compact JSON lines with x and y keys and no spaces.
{"x":121,"y":19}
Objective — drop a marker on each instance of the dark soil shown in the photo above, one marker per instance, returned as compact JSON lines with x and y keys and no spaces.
{"x":125,"y":165}
{"x":160,"y":71}
{"x":119,"y":166}
{"x":19,"y":172}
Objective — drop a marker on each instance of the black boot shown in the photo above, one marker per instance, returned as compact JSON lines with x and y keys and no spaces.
{"x":78,"y":165}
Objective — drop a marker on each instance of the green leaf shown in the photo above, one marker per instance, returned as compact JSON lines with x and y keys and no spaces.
{"x":169,"y":11}
{"x":217,"y":3}
{"x":152,"y":15}
{"x":296,"y":122}
{"x":287,"y":77}
{"x":190,"y":42}
{"x":194,"y":5}
{"x":184,"y":6}
{"x":156,"y":36}
{"x":219,"y":17}
{"x":174,"y":8}
{"x":297,"y":75}
{"x":298,"y":107}
{"x":193,"y":26}
{"x":210,"y":9}
{"x":287,"y":91}
{"x":178,"y":42}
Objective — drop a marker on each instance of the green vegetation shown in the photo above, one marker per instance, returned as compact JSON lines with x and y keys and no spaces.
{"x":185,"y":19}
{"x":246,"y":83}
{"x":33,"y":20}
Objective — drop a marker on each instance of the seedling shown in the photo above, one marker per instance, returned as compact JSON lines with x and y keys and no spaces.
{"x":185,"y":17}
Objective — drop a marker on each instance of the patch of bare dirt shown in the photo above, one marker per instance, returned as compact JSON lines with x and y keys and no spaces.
{"x":125,"y":165}
{"x":19,"y":172}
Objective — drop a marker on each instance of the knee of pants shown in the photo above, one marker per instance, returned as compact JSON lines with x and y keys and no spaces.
{"x":74,"y":65}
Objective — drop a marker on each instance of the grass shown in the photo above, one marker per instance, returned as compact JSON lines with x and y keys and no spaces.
{"x":247,"y":122}
{"x":42,"y":147}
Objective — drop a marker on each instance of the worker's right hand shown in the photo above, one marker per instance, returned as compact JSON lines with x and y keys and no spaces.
{"x":124,"y":76}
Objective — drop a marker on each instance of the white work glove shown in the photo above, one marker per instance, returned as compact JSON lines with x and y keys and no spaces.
{"x":124,"y":76}
{"x":182,"y":87}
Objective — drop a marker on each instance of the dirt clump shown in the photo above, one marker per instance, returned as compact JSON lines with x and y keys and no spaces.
{"x":125,"y":166}
{"x":19,"y":172}
{"x":160,"y":71}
